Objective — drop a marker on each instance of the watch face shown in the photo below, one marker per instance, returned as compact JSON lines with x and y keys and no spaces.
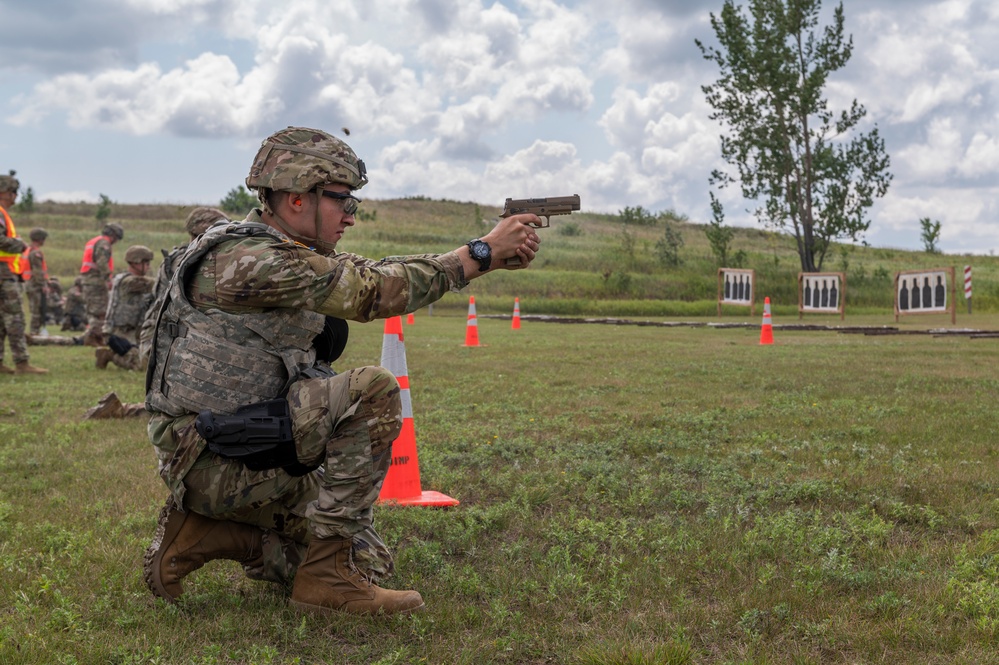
{"x":480,"y":250}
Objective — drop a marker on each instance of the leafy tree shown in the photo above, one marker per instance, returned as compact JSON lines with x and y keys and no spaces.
{"x":239,"y":201}
{"x":788,"y":149}
{"x":930,"y":235}
{"x":27,"y":202}
{"x":103,"y":209}
{"x":638,"y":216}
{"x":719,"y":236}
{"x":668,"y":246}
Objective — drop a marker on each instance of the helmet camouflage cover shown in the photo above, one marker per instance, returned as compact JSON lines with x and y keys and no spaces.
{"x":38,"y":235}
{"x":201,"y":218}
{"x":138,"y":254}
{"x":114,"y":229}
{"x":298,"y":159}
{"x":8,"y":183}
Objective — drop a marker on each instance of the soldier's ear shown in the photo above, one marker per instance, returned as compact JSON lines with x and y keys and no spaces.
{"x":291,"y":200}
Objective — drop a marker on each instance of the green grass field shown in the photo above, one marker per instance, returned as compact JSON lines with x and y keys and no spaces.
{"x":630,"y":495}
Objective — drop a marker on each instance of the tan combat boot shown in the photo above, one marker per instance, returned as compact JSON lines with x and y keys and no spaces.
{"x":101,"y":357}
{"x":25,"y":368}
{"x":327,"y":580}
{"x":108,"y":406}
{"x":6,"y":370}
{"x":186,"y":541}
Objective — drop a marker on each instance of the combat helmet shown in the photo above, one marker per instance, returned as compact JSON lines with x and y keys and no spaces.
{"x":298,"y":159}
{"x":138,"y":254}
{"x":201,"y":218}
{"x":113,"y":229}
{"x":8,"y":183}
{"x":38,"y":235}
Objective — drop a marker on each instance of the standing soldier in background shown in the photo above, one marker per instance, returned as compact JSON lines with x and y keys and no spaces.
{"x":74,"y":316}
{"x":11,"y":306}
{"x":96,"y":270}
{"x":35,"y":275}
{"x":131,"y":294}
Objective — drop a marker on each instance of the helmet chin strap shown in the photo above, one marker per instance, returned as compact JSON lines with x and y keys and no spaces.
{"x":321,"y":246}
{"x":316,"y":244}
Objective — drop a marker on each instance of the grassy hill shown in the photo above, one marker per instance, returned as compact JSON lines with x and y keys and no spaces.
{"x":590,"y":264}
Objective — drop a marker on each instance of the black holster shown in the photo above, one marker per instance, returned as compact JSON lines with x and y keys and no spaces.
{"x":119,"y":345}
{"x":258,"y":435}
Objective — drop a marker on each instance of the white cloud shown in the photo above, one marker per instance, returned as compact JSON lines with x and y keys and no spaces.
{"x":483,"y":99}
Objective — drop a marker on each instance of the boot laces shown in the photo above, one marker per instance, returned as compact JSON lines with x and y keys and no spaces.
{"x":352,"y":567}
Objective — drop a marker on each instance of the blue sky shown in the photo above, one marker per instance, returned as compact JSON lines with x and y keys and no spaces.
{"x":166,"y":101}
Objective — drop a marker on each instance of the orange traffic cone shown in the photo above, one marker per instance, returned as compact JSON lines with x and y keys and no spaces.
{"x":402,"y":483}
{"x":410,"y":320}
{"x":767,"y":331}
{"x":516,"y":314}
{"x":472,"y":329}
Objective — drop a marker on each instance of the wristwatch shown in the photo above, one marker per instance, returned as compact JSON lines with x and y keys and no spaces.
{"x":481,"y":252}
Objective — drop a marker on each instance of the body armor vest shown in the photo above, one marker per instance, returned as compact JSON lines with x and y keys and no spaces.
{"x":221,"y":361}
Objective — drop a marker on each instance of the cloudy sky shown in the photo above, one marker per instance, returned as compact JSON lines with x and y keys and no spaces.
{"x":476,"y":100}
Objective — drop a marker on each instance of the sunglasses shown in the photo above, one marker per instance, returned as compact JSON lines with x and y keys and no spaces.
{"x":349,"y":200}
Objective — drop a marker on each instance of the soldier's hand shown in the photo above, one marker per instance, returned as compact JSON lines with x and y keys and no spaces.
{"x":514,"y":237}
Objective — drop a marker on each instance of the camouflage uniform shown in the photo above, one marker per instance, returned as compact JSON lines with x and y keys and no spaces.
{"x":130,"y":296}
{"x":54,"y":302}
{"x":246,"y":310}
{"x":74,"y":309}
{"x":197,"y":222}
{"x":37,"y":286}
{"x":11,"y":304}
{"x":96,"y":273}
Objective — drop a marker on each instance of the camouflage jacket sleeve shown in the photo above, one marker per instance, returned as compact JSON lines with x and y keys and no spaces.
{"x":10,"y":245}
{"x":102,"y":258}
{"x":258,"y":273}
{"x":113,"y":298}
{"x":39,"y":280}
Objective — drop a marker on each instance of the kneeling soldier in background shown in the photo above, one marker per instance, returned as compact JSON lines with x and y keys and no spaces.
{"x":131,"y":294}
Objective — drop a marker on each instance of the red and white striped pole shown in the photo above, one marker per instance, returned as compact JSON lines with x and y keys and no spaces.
{"x":967,"y":286}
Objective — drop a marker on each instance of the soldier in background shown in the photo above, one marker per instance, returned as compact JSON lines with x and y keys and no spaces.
{"x":11,"y":304}
{"x":54,"y":303}
{"x":197,"y":222}
{"x":74,"y":315}
{"x":131,"y":294}
{"x":96,"y":270}
{"x":35,"y":275}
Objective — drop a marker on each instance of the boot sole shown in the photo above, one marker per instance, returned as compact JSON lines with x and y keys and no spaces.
{"x":166,"y":531}
{"x":319,"y":610}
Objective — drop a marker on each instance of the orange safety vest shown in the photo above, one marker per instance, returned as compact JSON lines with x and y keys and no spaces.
{"x":26,"y":265}
{"x":13,"y":260}
{"x":88,"y":256}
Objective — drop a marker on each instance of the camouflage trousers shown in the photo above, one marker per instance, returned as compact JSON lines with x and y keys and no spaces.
{"x":348,"y":422}
{"x":35,"y":299}
{"x":12,"y":320}
{"x":95,"y":299}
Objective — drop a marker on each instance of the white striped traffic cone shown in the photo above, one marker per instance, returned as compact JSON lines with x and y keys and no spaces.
{"x":472,"y":329}
{"x":767,"y":331}
{"x":402,"y":483}
{"x":516,"y":315}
